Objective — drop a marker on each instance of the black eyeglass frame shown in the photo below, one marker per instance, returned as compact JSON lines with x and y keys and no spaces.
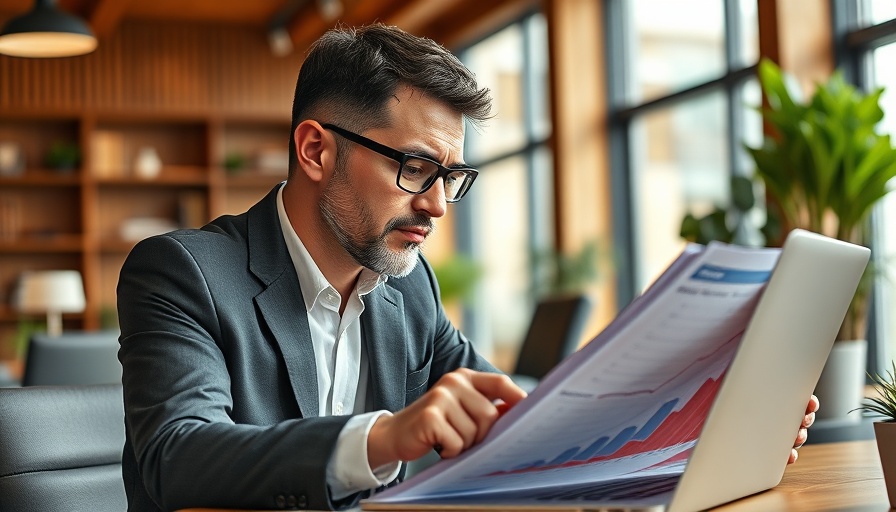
{"x":402,"y":158}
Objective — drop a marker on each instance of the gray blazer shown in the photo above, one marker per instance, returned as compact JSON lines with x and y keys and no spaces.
{"x":220,"y":384}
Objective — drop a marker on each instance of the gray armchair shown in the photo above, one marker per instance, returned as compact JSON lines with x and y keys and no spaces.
{"x":74,"y":358}
{"x":60,"y":448}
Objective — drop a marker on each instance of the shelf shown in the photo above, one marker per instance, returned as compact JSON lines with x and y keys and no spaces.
{"x":176,"y":176}
{"x":8,"y":314}
{"x":42,"y":178}
{"x":253,"y":179}
{"x":35,"y":244}
{"x":92,"y":205}
{"x":117,"y":246}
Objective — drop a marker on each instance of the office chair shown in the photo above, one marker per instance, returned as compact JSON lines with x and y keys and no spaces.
{"x":74,"y":358}
{"x":554,"y":333}
{"x":61,"y":448}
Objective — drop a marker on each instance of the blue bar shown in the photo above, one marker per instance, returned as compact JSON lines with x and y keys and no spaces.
{"x":565,"y":456}
{"x":656,"y":420}
{"x":591,"y":450}
{"x":716,"y":274}
{"x":618,"y":441}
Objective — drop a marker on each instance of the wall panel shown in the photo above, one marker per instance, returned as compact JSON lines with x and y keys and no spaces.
{"x":158,"y":67}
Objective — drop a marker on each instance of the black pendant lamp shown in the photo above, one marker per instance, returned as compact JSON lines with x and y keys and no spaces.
{"x":45,"y":31}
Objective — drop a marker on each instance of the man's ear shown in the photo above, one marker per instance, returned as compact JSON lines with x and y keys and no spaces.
{"x":315,"y":150}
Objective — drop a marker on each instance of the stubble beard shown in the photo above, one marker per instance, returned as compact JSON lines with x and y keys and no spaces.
{"x":342,"y":211}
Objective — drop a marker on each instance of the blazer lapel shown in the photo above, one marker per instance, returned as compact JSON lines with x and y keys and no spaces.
{"x":383,"y":330}
{"x":281,"y":303}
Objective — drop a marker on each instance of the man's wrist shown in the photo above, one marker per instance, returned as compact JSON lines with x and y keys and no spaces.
{"x":379,"y":446}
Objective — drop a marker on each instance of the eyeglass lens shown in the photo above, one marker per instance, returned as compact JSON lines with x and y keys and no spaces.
{"x":418,"y":174}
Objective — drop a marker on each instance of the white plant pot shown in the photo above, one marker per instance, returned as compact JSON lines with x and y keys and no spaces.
{"x":841,"y":387}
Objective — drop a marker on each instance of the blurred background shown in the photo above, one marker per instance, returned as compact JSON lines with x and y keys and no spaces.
{"x":614,"y":119}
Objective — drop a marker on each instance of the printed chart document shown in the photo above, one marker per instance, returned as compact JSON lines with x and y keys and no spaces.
{"x":629,"y":404}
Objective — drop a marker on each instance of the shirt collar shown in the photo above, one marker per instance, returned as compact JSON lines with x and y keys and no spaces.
{"x":311,"y":279}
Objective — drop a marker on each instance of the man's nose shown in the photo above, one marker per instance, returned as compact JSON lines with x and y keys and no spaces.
{"x":433,"y":200}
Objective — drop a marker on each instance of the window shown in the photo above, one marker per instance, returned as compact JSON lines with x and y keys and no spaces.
{"x":865,"y":45}
{"x":509,"y":211}
{"x":682,"y":93}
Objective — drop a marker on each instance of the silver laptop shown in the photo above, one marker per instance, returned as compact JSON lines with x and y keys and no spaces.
{"x":752,"y":423}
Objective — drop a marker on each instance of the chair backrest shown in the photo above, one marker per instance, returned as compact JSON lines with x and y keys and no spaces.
{"x":60,"y":448}
{"x":73,"y":358}
{"x":554,"y":333}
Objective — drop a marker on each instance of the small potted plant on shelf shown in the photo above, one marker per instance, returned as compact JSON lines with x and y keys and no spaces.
{"x":63,"y":156}
{"x":883,"y":404}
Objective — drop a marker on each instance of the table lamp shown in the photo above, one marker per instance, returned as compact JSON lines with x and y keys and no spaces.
{"x":52,"y":292}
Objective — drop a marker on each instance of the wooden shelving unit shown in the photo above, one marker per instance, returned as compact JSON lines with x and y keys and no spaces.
{"x":77,"y":219}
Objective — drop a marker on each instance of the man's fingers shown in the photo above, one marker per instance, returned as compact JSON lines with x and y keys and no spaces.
{"x":497,"y":387}
{"x":813,"y":404}
{"x":801,"y":437}
{"x":808,"y":420}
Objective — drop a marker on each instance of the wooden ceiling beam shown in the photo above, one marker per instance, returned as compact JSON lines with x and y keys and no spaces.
{"x":472,"y":19}
{"x":308,"y":25}
{"x":106,"y":15}
{"x":413,"y":16}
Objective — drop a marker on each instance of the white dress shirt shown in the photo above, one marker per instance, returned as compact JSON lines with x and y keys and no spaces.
{"x":342,"y":369}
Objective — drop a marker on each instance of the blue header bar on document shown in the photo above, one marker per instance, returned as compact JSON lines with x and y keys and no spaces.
{"x":729,"y":275}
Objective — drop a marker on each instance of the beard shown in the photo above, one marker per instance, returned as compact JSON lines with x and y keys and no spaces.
{"x":351,"y":222}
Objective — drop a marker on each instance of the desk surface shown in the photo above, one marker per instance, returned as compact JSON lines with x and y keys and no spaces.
{"x":833,"y":476}
{"x":827,"y":477}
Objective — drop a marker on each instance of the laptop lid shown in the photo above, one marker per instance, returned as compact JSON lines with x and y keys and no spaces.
{"x":750,"y":430}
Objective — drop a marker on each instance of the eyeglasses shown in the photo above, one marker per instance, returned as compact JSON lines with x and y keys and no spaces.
{"x":416,"y":174}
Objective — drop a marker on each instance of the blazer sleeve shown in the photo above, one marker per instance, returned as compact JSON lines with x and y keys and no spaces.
{"x":177,"y":395}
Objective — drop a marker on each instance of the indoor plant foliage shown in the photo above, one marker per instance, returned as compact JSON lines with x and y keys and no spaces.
{"x":884,"y":403}
{"x":826,"y":165}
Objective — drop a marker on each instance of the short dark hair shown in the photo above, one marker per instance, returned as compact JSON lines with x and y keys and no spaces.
{"x":349,"y":75}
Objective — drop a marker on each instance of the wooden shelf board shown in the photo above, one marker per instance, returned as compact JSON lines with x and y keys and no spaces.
{"x":253,"y":179}
{"x":50,"y":243}
{"x":168,"y":177}
{"x":117,"y":245}
{"x":42,"y":178}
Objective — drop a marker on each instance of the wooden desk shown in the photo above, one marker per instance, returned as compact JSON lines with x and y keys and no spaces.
{"x":827,"y":477}
{"x":834,"y":476}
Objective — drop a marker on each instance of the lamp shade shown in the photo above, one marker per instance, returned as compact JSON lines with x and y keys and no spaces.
{"x":45,"y":31}
{"x":58,"y":291}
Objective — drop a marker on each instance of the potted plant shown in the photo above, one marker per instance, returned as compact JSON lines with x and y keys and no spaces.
{"x":63,"y":156}
{"x":824,"y":168}
{"x":884,"y":406}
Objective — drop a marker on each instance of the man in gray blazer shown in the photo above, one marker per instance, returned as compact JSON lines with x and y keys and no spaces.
{"x":294,"y":355}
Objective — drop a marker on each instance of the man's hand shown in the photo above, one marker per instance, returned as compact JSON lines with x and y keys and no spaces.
{"x":456,"y":413}
{"x":803,"y":432}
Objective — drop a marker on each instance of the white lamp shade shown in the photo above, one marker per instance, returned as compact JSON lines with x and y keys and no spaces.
{"x":50,"y":290}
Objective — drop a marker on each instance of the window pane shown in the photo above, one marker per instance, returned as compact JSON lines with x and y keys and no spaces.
{"x":498,"y":64}
{"x":679,"y":163}
{"x":537,"y":82}
{"x":674,"y":44}
{"x":749,"y":34}
{"x":503,"y":241}
{"x":885,"y":214}
{"x":872,"y":12}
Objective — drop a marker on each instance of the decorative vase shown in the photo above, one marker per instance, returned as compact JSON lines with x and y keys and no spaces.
{"x":841,"y":387}
{"x":148,"y":165}
{"x":885,"y":433}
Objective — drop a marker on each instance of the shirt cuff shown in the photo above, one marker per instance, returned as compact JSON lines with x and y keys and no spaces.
{"x":349,"y":470}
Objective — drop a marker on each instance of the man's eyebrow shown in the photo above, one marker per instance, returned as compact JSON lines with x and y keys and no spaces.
{"x":426,"y":154}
